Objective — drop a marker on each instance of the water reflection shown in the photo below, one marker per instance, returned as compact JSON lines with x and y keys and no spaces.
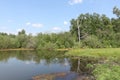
{"x":83,"y":65}
{"x":23,"y":65}
{"x":34,"y":56}
{"x":37,"y":65}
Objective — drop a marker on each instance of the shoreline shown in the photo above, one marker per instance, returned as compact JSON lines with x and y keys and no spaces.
{"x":17,"y":49}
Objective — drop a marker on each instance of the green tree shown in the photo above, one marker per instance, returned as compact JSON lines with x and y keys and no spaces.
{"x":116,"y":11}
{"x":22,"y":39}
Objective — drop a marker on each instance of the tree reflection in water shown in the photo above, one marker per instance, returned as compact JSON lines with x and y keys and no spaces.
{"x":36,"y":56}
{"x":83,"y":66}
{"x":80,"y":67}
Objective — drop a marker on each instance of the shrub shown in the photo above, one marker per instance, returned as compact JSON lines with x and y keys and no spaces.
{"x":107,"y":72}
{"x":92,"y":42}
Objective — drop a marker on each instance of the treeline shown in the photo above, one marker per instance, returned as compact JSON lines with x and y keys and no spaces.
{"x":40,"y":41}
{"x":97,"y":31}
{"x":88,"y":30}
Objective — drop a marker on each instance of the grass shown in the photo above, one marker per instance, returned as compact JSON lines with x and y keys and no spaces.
{"x":104,"y":52}
{"x":107,"y":72}
{"x":110,"y":69}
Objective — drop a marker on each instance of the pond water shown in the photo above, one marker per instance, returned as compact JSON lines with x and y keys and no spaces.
{"x":27,"y":65}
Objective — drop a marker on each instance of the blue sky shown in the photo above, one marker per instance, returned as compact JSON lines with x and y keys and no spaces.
{"x":48,"y":16}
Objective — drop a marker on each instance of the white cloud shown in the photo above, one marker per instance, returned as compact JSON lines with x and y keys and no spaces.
{"x":65,"y":23}
{"x":28,"y":23}
{"x":37,"y":25}
{"x":57,"y":28}
{"x":72,"y":2}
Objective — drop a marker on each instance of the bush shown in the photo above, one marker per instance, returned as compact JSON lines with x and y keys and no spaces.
{"x":107,"y":72}
{"x":92,"y":42}
{"x":77,"y":45}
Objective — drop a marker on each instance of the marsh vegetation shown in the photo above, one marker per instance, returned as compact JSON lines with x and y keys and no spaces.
{"x":107,"y":66}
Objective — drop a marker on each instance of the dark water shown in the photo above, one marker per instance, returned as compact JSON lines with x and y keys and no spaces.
{"x":23,"y":65}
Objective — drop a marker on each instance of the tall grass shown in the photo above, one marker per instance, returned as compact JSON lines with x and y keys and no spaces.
{"x":104,"y":52}
{"x":109,"y":69}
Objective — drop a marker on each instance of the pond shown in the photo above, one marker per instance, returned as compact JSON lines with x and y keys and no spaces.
{"x":43,"y":65}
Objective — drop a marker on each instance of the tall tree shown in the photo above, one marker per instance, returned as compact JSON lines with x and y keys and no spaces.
{"x":116,"y":11}
{"x":22,"y":39}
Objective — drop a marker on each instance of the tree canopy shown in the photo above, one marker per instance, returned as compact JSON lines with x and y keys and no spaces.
{"x":93,"y":31}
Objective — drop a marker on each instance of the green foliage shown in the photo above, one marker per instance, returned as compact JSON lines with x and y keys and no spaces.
{"x":117,"y":39}
{"x":96,"y":31}
{"x":6,"y":41}
{"x":116,"y":11}
{"x":92,"y":42}
{"x":108,"y":53}
{"x":107,"y":67}
{"x":53,"y":41}
{"x":107,"y":72}
{"x":50,"y":46}
{"x":116,"y":25}
{"x":77,"y":45}
{"x":22,"y":38}
{"x":31,"y":42}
